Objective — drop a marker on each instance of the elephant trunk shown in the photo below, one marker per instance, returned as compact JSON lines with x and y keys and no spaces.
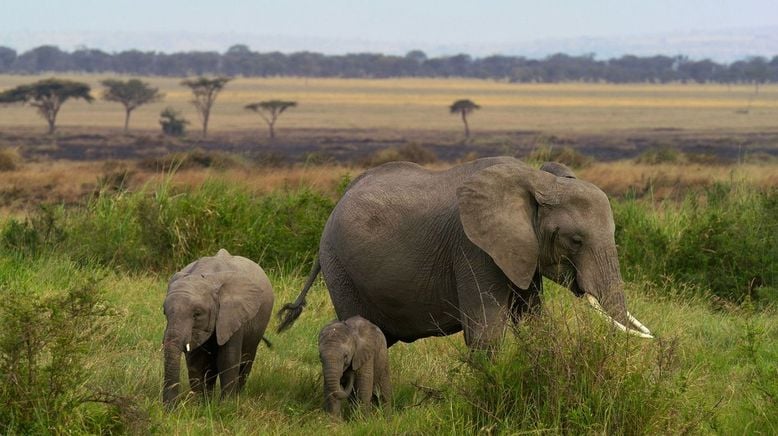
{"x":332,"y":376}
{"x":176,"y":340}
{"x":600,"y":278}
{"x":172,"y":383}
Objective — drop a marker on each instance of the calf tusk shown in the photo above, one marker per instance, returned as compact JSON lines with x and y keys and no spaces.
{"x":187,"y":347}
{"x":598,"y":308}
{"x":638,"y":324}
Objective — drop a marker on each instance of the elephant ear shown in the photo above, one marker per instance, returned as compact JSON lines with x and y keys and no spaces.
{"x":239,"y":301}
{"x":558,"y":169}
{"x":497,"y":207}
{"x":363,"y":333}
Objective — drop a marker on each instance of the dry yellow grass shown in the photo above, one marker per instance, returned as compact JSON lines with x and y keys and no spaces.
{"x":673,"y":180}
{"x":406,"y":104}
{"x":69,"y":182}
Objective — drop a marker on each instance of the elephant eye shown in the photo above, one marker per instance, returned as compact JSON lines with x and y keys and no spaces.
{"x":577,"y":240}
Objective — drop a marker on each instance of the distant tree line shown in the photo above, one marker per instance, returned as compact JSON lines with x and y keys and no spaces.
{"x":239,"y":60}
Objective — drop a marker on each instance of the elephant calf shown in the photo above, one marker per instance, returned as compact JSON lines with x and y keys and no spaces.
{"x":217,"y":309}
{"x":353,"y":353}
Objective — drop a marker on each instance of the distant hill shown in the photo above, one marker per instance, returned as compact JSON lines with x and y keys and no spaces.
{"x":724,"y":45}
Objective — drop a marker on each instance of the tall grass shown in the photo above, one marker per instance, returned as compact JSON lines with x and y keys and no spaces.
{"x":165,"y":228}
{"x":567,"y":373}
{"x":712,"y":369}
{"x":723,"y":239}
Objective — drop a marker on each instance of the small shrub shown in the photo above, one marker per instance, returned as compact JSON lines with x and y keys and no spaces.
{"x":45,"y":344}
{"x":197,"y":158}
{"x":115,"y":177}
{"x":269,"y":159}
{"x":662,"y":155}
{"x":9,"y":159}
{"x":43,"y":230}
{"x":566,"y":155}
{"x":410,"y":152}
{"x":760,"y":158}
{"x":585,"y":378}
{"x":172,"y":122}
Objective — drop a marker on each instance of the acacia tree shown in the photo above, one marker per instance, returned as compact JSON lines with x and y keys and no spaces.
{"x":47,"y":96}
{"x":464,"y":107}
{"x":205,"y":90}
{"x":270,"y":110}
{"x":130,"y":94}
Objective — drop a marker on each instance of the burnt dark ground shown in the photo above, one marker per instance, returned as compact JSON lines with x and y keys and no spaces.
{"x":347,"y":146}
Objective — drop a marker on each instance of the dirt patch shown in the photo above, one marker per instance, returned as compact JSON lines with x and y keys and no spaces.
{"x":348,"y":146}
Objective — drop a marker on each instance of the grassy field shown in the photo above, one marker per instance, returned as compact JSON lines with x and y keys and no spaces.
{"x":413,"y":104}
{"x":86,"y":248}
{"x":711,"y":370}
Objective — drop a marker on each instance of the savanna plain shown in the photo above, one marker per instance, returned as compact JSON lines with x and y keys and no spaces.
{"x":87,"y":247}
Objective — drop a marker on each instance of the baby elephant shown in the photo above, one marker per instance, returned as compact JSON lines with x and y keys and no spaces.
{"x":217,"y":309}
{"x":353,"y":354}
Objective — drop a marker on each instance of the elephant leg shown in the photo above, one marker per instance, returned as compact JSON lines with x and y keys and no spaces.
{"x":198,"y":362}
{"x":228,"y":362}
{"x":247,"y":362}
{"x":341,"y":288}
{"x":484,"y":298}
{"x":384,"y":387}
{"x":364,"y":386}
{"x":333,"y":406}
{"x":527,"y":300}
{"x":252,"y":336}
{"x":211,"y":374}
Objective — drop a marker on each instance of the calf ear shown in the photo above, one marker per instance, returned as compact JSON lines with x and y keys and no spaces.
{"x":558,"y":169}
{"x":239,"y":301}
{"x":363,"y":352}
{"x":497,"y":207}
{"x":364,"y":333}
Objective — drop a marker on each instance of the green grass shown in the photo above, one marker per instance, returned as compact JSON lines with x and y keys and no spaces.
{"x":712,"y":369}
{"x":566,"y":372}
{"x":723,"y":240}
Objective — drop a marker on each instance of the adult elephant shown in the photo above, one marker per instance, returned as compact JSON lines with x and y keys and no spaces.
{"x":427,"y":253}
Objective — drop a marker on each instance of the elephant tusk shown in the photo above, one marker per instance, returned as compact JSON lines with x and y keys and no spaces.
{"x":598,"y":308}
{"x":187,"y":347}
{"x":638,"y":324}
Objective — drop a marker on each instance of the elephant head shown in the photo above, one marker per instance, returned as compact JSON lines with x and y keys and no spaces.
{"x":547,"y":220}
{"x":197,"y":306}
{"x":343,"y":349}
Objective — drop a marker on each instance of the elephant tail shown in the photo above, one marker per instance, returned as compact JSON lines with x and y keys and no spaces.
{"x":291,"y":311}
{"x":267,"y":342}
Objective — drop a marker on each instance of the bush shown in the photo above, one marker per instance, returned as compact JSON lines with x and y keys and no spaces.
{"x":662,"y":155}
{"x":566,"y":155}
{"x":729,"y":241}
{"x":172,"y":122}
{"x":410,"y":152}
{"x":197,"y":158}
{"x":166,"y":229}
{"x":724,"y":240}
{"x":585,"y":378}
{"x":45,"y":344}
{"x":9,"y":159}
{"x":42,"y":230}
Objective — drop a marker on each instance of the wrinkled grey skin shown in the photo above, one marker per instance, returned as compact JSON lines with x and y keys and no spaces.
{"x":220,"y":306}
{"x":353,"y":353}
{"x":426,"y":253}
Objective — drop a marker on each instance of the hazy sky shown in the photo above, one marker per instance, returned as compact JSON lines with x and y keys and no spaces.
{"x":445,"y":21}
